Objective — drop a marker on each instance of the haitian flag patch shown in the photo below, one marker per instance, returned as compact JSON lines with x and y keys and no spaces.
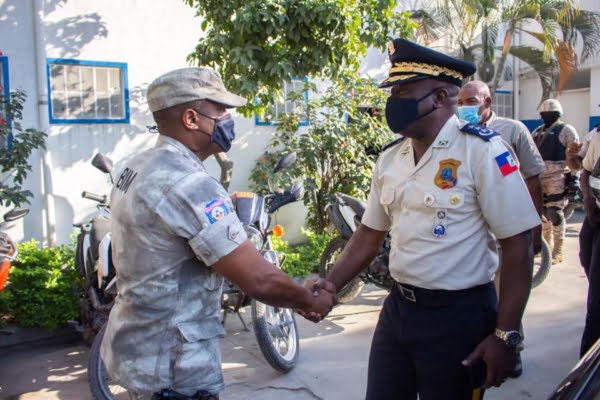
{"x":507,"y":163}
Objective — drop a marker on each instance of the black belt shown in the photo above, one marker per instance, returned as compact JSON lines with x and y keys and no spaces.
{"x":440,"y":297}
{"x":548,"y":198}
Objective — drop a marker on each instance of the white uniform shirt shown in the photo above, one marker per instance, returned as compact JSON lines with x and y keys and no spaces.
{"x":442,"y":210}
{"x":592,"y":151}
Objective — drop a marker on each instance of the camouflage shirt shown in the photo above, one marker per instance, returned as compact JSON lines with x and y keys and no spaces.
{"x":170,"y":222}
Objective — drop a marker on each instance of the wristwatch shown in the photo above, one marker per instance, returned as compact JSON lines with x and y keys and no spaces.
{"x":510,"y":338}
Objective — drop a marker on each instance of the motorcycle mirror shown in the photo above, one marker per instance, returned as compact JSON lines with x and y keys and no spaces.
{"x":103,"y":163}
{"x":285,"y":161}
{"x":15,"y":214}
{"x":297,"y":190}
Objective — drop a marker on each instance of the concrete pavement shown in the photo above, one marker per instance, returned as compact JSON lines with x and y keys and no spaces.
{"x":334,"y":353}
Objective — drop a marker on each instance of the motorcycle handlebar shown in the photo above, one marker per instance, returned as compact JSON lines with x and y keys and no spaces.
{"x":94,"y":197}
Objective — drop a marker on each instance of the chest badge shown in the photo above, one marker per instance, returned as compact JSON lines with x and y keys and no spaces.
{"x":447,"y":175}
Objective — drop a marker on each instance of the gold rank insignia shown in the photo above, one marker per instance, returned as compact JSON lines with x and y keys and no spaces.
{"x":391,"y":48}
{"x":447,"y":175}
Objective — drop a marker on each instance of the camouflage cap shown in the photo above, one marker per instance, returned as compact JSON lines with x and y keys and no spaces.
{"x":189,"y":84}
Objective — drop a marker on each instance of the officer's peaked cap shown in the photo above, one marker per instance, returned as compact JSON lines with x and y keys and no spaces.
{"x":411,"y":62}
{"x":190,"y":84}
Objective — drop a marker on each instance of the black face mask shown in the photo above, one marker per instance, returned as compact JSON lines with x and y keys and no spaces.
{"x":223,"y":133}
{"x":401,"y":112}
{"x":550,"y":117}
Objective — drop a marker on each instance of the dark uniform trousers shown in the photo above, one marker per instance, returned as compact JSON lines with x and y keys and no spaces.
{"x":418,"y":346}
{"x":589,"y":255}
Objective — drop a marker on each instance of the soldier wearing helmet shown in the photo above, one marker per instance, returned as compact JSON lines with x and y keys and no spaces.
{"x":552,"y":139}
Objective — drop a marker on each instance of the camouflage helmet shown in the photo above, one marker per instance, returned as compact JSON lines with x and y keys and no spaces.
{"x":551,"y":105}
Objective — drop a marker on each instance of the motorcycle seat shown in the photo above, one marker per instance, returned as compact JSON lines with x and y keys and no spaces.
{"x":358,"y":206}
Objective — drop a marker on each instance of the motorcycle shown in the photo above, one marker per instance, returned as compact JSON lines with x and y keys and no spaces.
{"x":8,"y":248}
{"x":274,"y":327}
{"x":345,"y":214}
{"x":93,"y":262}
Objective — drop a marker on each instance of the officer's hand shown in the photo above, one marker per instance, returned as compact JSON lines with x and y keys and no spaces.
{"x":498,"y":357}
{"x":320,"y":288}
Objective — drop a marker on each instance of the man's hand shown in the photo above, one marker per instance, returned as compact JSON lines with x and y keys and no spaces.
{"x":573,"y":150}
{"x":498,"y":357}
{"x":323,"y":290}
{"x":573,"y":158}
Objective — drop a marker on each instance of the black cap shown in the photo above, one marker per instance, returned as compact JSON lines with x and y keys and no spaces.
{"x":411,"y":62}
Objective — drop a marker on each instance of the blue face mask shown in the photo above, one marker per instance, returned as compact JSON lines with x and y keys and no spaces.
{"x":469,"y":114}
{"x":223,"y":133}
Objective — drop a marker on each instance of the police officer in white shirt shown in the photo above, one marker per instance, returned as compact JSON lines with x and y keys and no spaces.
{"x":440,"y":190}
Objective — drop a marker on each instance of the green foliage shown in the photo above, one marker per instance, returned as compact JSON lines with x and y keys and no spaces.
{"x":304,"y":259}
{"x":258,"y":44}
{"x":14,"y":164}
{"x":333,"y":152}
{"x":40,"y":286}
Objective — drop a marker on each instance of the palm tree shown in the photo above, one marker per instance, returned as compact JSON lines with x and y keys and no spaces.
{"x":473,"y":27}
{"x":562,"y":24}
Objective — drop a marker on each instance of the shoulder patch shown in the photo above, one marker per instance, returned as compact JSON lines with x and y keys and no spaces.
{"x":480,"y":131}
{"x":393,"y":143}
{"x":216,"y":210}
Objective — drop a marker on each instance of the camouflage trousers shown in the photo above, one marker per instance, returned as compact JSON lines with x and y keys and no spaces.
{"x":553,"y":230}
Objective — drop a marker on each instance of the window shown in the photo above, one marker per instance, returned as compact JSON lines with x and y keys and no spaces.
{"x":503,"y":104}
{"x":5,"y":92}
{"x":274,"y":112}
{"x":87,"y":92}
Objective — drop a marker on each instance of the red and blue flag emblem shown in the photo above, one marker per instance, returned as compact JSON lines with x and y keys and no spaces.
{"x":507,"y":163}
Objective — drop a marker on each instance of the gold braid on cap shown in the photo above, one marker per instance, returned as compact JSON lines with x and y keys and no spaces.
{"x":423,"y":68}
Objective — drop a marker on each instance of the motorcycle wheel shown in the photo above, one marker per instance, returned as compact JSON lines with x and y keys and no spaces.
{"x":541,"y":265}
{"x":330,"y":254}
{"x":569,"y":210}
{"x":101,"y":385}
{"x":277,"y":335}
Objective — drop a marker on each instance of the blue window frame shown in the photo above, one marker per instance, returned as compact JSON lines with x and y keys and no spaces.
{"x":503,"y":103}
{"x":87,"y":92}
{"x":282,"y":107}
{"x":5,"y":90}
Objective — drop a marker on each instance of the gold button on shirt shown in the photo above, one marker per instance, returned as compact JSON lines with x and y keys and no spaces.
{"x":441,"y":212}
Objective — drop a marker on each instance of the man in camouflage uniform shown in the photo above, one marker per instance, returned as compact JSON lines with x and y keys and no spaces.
{"x":175,"y":235}
{"x":552,"y":139}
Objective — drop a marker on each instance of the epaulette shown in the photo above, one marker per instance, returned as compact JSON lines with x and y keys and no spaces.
{"x":393,"y":143}
{"x":479,"y":131}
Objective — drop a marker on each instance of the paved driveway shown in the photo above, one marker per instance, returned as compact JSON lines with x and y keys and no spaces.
{"x":334,"y":353}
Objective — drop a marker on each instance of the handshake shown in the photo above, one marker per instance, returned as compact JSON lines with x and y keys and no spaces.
{"x":323,"y":292}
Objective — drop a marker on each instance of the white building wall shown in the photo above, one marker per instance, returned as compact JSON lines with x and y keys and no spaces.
{"x":576,"y":110}
{"x":16,"y":42}
{"x":152,"y":38}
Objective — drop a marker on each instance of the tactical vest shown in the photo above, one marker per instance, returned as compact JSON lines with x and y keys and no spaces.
{"x":549,"y":145}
